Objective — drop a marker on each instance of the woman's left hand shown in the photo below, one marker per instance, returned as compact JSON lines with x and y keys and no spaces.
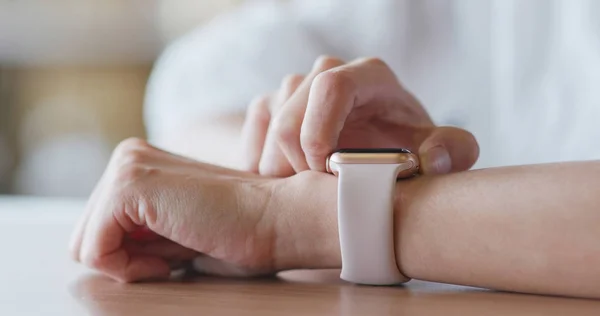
{"x":152,"y":210}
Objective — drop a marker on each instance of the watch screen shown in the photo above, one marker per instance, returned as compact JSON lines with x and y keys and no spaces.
{"x":397,"y":156}
{"x":374,"y":151}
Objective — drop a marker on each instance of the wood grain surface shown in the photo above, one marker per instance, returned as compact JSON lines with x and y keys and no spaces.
{"x":38,"y":278}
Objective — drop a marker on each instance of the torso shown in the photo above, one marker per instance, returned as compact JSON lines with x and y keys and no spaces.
{"x":523,"y":76}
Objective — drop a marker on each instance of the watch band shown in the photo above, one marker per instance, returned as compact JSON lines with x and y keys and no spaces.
{"x":366,"y":225}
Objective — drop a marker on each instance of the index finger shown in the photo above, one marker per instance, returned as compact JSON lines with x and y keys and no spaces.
{"x":288,"y":122}
{"x":334,"y":95}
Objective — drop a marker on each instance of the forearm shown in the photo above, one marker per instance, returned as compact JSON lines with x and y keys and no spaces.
{"x":212,"y":140}
{"x":530,"y":229}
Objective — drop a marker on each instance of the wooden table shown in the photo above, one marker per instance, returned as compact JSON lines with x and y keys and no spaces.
{"x":38,"y":278}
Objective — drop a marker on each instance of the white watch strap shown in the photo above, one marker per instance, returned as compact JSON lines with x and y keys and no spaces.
{"x":366,"y":223}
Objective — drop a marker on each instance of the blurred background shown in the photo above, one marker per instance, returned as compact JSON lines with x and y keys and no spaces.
{"x":72,"y":83}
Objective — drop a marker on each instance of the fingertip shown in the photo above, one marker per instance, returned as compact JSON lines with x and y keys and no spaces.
{"x":475,"y":150}
{"x":436,"y":160}
{"x":287,"y":138}
{"x":276,"y":170}
{"x":74,"y":245}
{"x":254,"y":132}
{"x":73,"y":254}
{"x":316,"y":152}
{"x":317,"y":164}
{"x":273,"y":162}
{"x":460,"y":145}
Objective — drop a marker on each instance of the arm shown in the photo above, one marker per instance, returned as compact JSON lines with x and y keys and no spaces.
{"x":531,"y":229}
{"x":528,"y":229}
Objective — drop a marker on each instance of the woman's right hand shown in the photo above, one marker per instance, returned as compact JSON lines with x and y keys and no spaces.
{"x":360,"y":104}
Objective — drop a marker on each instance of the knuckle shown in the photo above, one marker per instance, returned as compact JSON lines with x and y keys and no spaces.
{"x":290,"y":81}
{"x":132,"y":150}
{"x":136,"y":203}
{"x":131,"y":143}
{"x":327,"y":62}
{"x":134,"y":157}
{"x":284,"y":133}
{"x":375,"y":61}
{"x":332,"y":82}
{"x":130,"y":172}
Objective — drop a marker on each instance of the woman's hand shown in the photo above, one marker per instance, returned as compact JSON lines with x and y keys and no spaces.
{"x":153,"y":210}
{"x":356,"y":105}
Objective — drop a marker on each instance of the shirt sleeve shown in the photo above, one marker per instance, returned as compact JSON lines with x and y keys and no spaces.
{"x":219,"y":68}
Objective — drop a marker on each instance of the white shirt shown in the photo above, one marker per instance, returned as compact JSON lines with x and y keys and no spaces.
{"x":523,"y":76}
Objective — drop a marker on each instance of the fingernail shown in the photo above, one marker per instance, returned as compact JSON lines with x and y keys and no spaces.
{"x":438,"y":159}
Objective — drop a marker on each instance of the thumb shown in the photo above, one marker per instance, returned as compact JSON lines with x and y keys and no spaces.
{"x":448,"y":149}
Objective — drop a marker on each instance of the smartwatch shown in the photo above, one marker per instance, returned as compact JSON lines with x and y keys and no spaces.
{"x":366,"y":185}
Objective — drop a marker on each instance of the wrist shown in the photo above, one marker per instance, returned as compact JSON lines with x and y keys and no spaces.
{"x":304,"y":209}
{"x":305,"y":212}
{"x":407,"y":202}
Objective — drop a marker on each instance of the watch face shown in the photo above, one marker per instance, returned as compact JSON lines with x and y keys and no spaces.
{"x":374,"y":156}
{"x":374,"y":151}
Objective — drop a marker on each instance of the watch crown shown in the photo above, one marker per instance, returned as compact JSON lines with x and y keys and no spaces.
{"x":327,"y":168}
